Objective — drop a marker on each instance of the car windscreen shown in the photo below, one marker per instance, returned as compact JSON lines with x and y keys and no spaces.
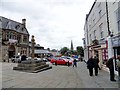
{"x":17,"y":56}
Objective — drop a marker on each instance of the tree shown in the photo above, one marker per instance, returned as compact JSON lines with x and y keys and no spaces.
{"x":80,"y":50}
{"x":64,"y":51}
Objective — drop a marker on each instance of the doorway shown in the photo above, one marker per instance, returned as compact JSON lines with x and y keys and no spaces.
{"x":11,"y":51}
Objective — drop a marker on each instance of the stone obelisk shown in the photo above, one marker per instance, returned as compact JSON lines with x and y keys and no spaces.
{"x":32,"y":47}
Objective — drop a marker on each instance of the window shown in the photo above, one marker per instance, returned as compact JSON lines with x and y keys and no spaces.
{"x":119,"y":25}
{"x":17,"y":27}
{"x":19,"y":38}
{"x":3,"y":35}
{"x":90,"y":26}
{"x":101,"y":30}
{"x":94,"y":34}
{"x":90,"y":38}
{"x":101,"y":34}
{"x":99,"y":4}
{"x":93,"y":21}
{"x":22,"y":29}
{"x":118,"y":18}
{"x":100,"y":14}
{"x":25,"y":39}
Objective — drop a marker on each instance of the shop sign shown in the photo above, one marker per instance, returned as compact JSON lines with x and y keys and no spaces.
{"x":12,"y":41}
{"x":116,"y":43}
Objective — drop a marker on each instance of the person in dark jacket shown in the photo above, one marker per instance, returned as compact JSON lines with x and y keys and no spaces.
{"x":75,"y":63}
{"x":23,"y":57}
{"x":110,"y":65}
{"x":96,"y":65}
{"x":118,"y":65}
{"x":90,"y":65}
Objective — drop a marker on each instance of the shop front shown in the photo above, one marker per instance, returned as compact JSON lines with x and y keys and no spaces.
{"x":116,"y":48}
{"x":100,"y":51}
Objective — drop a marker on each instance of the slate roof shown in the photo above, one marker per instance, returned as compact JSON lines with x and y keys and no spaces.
{"x":7,"y":24}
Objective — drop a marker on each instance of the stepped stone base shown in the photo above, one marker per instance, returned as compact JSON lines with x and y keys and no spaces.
{"x":32,"y":66}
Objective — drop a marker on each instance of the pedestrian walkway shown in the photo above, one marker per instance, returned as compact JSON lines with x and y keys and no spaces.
{"x":58,"y":77}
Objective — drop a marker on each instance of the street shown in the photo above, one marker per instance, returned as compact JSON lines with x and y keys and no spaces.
{"x":58,"y":77}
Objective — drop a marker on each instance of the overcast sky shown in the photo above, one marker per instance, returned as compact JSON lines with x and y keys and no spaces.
{"x":54,"y":23}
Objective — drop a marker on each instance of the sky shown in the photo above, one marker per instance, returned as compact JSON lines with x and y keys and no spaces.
{"x":54,"y":23}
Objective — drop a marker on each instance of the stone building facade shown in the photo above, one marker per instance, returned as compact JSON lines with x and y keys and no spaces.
{"x":14,"y":38}
{"x":114,"y":19}
{"x":102,"y":18}
{"x":96,"y":31}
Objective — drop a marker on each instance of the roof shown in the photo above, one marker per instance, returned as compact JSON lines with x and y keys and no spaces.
{"x":41,"y":52}
{"x":7,"y":24}
{"x":91,"y":9}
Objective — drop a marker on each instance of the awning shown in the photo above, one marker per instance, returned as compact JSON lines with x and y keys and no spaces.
{"x":42,"y":52}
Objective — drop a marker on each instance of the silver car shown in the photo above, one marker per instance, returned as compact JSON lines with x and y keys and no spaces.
{"x":16,"y":59}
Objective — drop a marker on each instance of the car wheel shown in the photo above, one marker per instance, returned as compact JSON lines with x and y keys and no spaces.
{"x":19,"y":61}
{"x":13,"y":61}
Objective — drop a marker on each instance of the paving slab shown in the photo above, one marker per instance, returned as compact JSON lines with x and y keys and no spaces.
{"x":59,"y":76}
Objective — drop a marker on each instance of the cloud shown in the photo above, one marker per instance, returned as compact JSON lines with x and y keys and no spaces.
{"x":54,"y":23}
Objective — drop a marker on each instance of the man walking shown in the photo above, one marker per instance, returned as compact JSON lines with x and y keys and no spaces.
{"x":90,"y":65}
{"x":110,"y":65}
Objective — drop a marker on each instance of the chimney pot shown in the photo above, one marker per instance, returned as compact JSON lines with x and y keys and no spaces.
{"x":24,"y":22}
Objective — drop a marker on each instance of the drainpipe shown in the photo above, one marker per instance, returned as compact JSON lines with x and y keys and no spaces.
{"x":109,"y":32}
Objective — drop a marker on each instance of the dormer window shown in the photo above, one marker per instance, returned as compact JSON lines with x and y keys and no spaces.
{"x":22,"y":29}
{"x":17,"y":27}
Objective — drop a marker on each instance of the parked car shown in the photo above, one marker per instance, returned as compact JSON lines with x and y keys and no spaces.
{"x":53,"y":60}
{"x":49,"y":58}
{"x":45,"y":59}
{"x":61,"y":61}
{"x":16,"y":59}
{"x":28,"y":58}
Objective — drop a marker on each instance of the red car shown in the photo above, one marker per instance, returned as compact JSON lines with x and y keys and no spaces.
{"x":60,"y":61}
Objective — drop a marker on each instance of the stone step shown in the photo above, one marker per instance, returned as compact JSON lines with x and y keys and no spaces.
{"x":45,"y":68}
{"x":31,"y":65}
{"x":40,"y":67}
{"x":32,"y":71}
{"x":31,"y":68}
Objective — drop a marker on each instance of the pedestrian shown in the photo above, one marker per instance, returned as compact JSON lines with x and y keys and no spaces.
{"x":56,"y":62}
{"x":68,"y":63}
{"x":90,"y":65}
{"x":118,"y":65}
{"x":75,"y":63}
{"x":96,"y":65}
{"x":23,"y":57}
{"x":110,"y":65}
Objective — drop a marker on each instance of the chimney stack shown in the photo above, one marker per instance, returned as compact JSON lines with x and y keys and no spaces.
{"x":24,"y":22}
